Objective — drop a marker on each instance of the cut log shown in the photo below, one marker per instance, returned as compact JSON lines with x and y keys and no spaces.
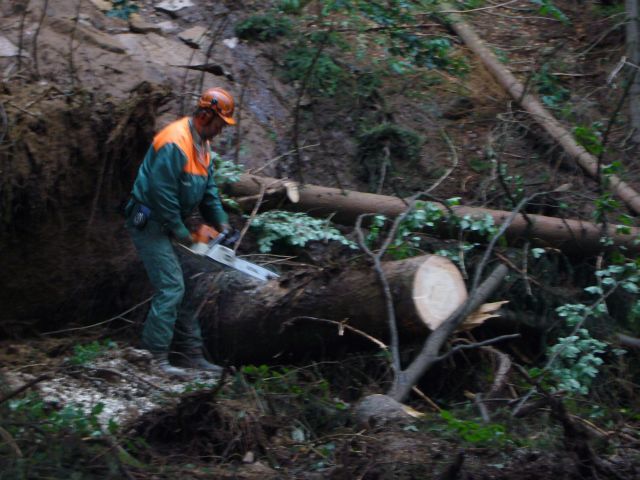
{"x":537,"y":111}
{"x":572,"y":236}
{"x":248,"y":322}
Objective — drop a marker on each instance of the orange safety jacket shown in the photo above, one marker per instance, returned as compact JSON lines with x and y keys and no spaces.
{"x":174,"y":179}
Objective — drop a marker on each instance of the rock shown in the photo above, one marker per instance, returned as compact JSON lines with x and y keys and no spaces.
{"x":378,"y":410}
{"x":168,"y":27}
{"x":8,"y":49}
{"x":249,"y":457}
{"x":138,"y":25}
{"x":173,"y":6}
{"x":102,"y":5}
{"x":194,"y":37}
{"x":87,"y":34}
{"x":231,"y":42}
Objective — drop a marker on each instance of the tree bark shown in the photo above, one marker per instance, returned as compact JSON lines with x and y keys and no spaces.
{"x":572,"y":236}
{"x":540,"y":114}
{"x":249,"y":322}
{"x":633,"y":54}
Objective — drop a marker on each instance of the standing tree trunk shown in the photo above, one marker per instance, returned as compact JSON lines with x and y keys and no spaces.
{"x":633,"y":54}
{"x":248,"y":322}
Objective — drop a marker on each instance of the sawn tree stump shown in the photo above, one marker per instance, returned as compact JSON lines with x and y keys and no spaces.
{"x":245,"y":322}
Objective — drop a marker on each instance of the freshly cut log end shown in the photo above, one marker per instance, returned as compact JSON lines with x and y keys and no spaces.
{"x":438,"y":290}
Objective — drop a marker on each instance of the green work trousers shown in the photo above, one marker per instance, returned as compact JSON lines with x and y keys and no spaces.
{"x":168,"y":323}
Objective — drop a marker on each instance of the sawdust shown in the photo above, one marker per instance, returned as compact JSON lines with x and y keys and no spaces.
{"x":121,"y":379}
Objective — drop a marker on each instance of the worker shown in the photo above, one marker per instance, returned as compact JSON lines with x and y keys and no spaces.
{"x":175,"y":177}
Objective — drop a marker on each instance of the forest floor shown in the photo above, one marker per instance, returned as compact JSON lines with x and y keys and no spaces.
{"x":277,"y":421}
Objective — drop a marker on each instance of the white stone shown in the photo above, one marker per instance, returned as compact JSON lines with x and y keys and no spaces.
{"x":174,"y":5}
{"x":231,"y":42}
{"x":7,"y":49}
{"x":168,"y":27}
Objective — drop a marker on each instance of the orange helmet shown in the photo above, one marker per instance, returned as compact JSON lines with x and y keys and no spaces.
{"x":220,"y":101}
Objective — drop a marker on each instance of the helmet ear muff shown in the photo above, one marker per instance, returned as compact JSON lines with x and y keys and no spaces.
{"x":220,"y":102}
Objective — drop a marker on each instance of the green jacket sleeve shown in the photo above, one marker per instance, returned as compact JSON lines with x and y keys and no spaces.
{"x":211,"y":206}
{"x":164,"y":192}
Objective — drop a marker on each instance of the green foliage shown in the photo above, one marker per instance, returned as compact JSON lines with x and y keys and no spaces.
{"x":590,"y":137}
{"x":514,"y":183}
{"x":429,"y":217}
{"x":430,"y":53}
{"x":292,"y":7}
{"x":576,"y":358}
{"x":404,"y":143}
{"x":263,"y":28}
{"x":83,"y":354}
{"x":552,"y":93}
{"x":473,"y":432}
{"x":367,"y":83}
{"x":577,"y":362}
{"x":302,"y":392}
{"x":326,"y":75}
{"x":604,"y":205}
{"x":294,"y":229}
{"x":55,"y":440}
{"x":32,"y":410}
{"x":122,"y":9}
{"x":380,"y":146}
{"x":610,"y":10}
{"x":546,"y":7}
{"x":226,"y":171}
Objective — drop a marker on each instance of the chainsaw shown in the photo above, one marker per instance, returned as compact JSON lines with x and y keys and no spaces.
{"x":215,"y":246}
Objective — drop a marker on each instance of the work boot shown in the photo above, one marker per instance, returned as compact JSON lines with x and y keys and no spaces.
{"x":194,"y":359}
{"x":161,"y":359}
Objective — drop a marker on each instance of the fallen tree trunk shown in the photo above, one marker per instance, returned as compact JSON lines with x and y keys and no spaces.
{"x":540,"y":114}
{"x":251,"y":322}
{"x":571,"y":236}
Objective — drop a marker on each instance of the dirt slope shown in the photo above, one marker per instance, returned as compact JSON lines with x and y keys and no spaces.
{"x":73,"y":139}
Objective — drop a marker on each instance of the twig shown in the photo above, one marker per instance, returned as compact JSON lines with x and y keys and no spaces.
{"x":247,"y":224}
{"x":35,"y":36}
{"x":484,"y":343}
{"x":239,"y":119}
{"x":557,"y":353}
{"x":122,"y":375}
{"x":525,"y":275}
{"x":342,"y":326}
{"x":6,"y":436}
{"x":429,"y":353}
{"x":504,"y":366}
{"x":21,"y":33}
{"x":275,"y":159}
{"x":383,"y":167}
{"x":72,"y":67}
{"x":5,"y":122}
{"x":296,"y":111}
{"x":117,"y":317}
{"x":454,"y":154}
{"x":24,"y":387}
{"x":376,"y":257}
{"x":480,"y":8}
{"x":482,"y":408}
